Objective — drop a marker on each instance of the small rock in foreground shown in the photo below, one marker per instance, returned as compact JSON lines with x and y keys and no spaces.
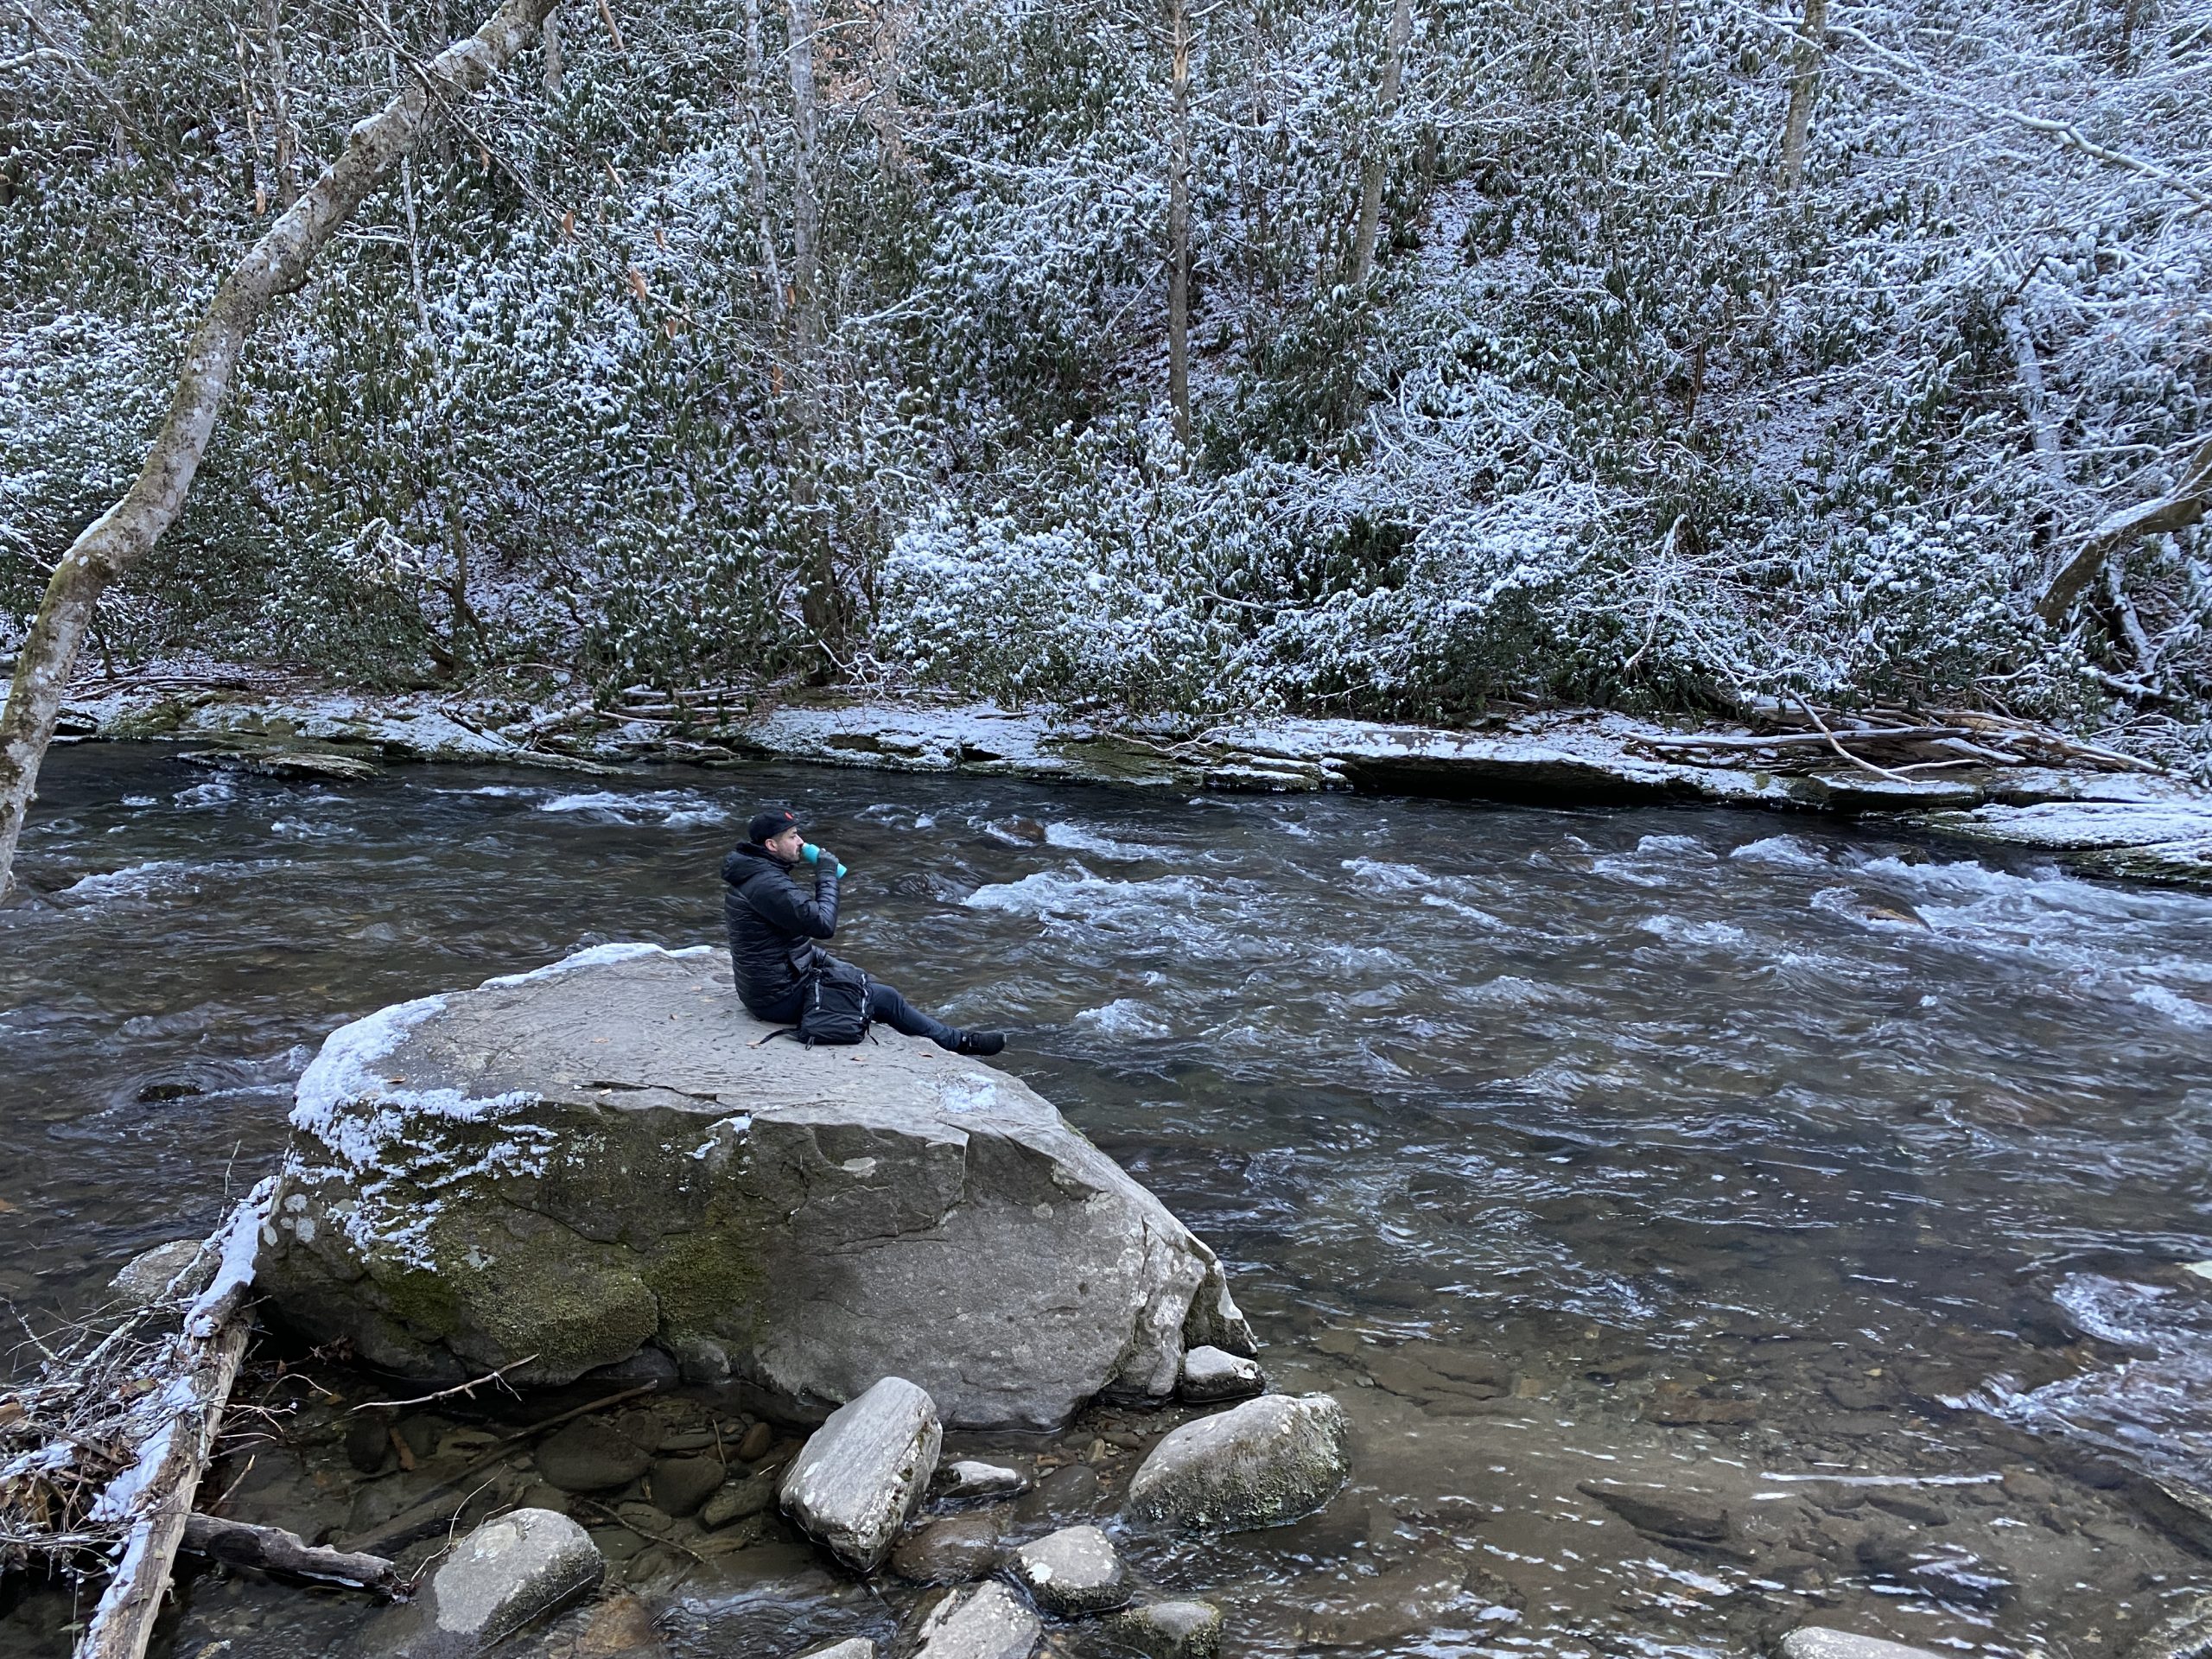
{"x":1169,"y":1629}
{"x":1671,"y":1514}
{"x":858,"y":1647}
{"x":985,"y":1622}
{"x":958,"y":1549}
{"x":1212,"y":1374}
{"x":682,"y":1484}
{"x":1818,"y":1641}
{"x":1072,"y":1572}
{"x":968,"y":1478}
{"x":504,"y":1575}
{"x":864,"y":1471}
{"x":1258,"y":1465}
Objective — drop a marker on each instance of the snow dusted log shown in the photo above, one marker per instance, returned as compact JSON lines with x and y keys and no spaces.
{"x":273,"y":1550}
{"x":277,"y":264}
{"x":2180,"y":507}
{"x":172,"y":1434}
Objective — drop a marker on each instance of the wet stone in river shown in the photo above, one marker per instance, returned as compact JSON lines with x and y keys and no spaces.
{"x":739,"y":1498}
{"x":1257,"y":1464}
{"x":591,"y":1456}
{"x":1673,"y":1515}
{"x":506,"y":1573}
{"x":680,"y":1485}
{"x":957,"y":1549}
{"x":1168,"y":1630}
{"x":1214,"y":1374}
{"x":985,"y":1622}
{"x":966,"y":1479}
{"x":864,"y":1471}
{"x":1819,"y":1641}
{"x":1072,"y":1572}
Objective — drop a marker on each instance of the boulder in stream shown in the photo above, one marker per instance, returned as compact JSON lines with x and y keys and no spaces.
{"x":1819,"y":1642}
{"x":863,"y":1474}
{"x":1072,"y":1572}
{"x":570,"y":1169}
{"x":1258,"y":1465}
{"x":985,"y":1622}
{"x":1169,"y":1629}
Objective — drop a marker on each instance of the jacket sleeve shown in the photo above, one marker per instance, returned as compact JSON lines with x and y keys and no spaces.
{"x":781,"y":906}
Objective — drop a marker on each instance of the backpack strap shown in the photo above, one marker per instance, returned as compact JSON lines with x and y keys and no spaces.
{"x":781,"y":1031}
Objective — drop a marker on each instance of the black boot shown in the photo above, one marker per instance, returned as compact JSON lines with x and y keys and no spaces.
{"x":981,"y":1042}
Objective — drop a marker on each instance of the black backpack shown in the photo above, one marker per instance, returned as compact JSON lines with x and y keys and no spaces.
{"x":833,"y":1011}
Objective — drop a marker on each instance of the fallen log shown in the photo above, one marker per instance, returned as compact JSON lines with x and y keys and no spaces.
{"x":173,"y":1431}
{"x":272,"y":1549}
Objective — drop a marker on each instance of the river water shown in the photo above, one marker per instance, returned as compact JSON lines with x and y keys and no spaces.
{"x":1846,"y":1183}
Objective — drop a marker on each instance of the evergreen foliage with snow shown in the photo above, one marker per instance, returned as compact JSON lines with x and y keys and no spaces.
{"x":678,"y":363}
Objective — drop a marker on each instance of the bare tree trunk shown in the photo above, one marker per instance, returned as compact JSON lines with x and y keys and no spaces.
{"x":1377,"y":170}
{"x":277,"y":265}
{"x":1179,"y":223}
{"x":275,"y":1550}
{"x":1804,"y":89}
{"x":821,"y":604}
{"x":2033,"y":399}
{"x":885,"y":117}
{"x":553,"y":51}
{"x":1669,"y":35}
{"x":806,"y":205}
{"x":756,"y":148}
{"x":280,"y":109}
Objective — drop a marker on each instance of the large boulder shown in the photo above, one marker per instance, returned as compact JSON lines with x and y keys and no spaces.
{"x":558,"y":1169}
{"x":510,"y":1572}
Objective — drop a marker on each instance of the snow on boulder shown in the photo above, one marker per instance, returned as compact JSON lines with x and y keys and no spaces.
{"x":559,"y":1169}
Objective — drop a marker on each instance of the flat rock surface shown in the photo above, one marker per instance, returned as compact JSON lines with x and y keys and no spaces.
{"x":1672,"y":1514}
{"x":590,"y":1456}
{"x":864,"y":1471}
{"x":985,"y":1622}
{"x":571,"y":1167}
{"x":1818,"y":1641}
{"x":1257,"y":1464}
{"x":1072,"y":1572}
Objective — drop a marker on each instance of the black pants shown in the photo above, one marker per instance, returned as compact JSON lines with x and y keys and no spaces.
{"x":884,"y":1003}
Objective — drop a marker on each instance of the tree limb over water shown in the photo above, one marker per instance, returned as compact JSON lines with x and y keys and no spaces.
{"x":276,"y":264}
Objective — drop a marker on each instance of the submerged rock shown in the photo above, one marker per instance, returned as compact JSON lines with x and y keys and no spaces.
{"x":1169,"y":1629}
{"x":863,"y":1474}
{"x":1257,"y":1464}
{"x":738,"y":1499}
{"x":557,"y":1169}
{"x":985,"y":1622}
{"x":1072,"y":1572}
{"x":959,"y":1549}
{"x":591,"y":1456}
{"x":858,"y":1647}
{"x":1671,"y":1514}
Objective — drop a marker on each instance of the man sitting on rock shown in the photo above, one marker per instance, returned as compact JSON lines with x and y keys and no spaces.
{"x":774,"y":927}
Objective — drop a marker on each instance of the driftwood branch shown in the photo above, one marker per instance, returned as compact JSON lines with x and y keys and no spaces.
{"x":468,"y":1388}
{"x":277,"y":264}
{"x":172,"y":1432}
{"x":2182,"y":505}
{"x":273,"y":1550}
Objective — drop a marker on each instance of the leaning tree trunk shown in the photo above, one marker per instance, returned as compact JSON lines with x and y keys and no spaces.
{"x":1375,"y":170}
{"x":278,"y":263}
{"x":1804,"y":89}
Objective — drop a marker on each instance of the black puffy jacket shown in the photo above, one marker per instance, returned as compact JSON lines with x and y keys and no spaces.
{"x":771,"y":921}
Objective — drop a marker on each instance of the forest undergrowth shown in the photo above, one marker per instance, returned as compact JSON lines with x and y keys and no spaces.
{"x":1385,"y":357}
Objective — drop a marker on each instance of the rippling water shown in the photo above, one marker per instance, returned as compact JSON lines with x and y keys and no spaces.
{"x":1826,"y":1177}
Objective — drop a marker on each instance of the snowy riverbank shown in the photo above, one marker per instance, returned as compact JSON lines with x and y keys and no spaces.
{"x":2129,"y":822}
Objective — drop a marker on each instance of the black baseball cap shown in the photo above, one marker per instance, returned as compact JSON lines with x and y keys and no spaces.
{"x":771,"y":821}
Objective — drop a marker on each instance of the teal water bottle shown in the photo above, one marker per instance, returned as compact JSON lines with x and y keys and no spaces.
{"x":810,"y":852}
